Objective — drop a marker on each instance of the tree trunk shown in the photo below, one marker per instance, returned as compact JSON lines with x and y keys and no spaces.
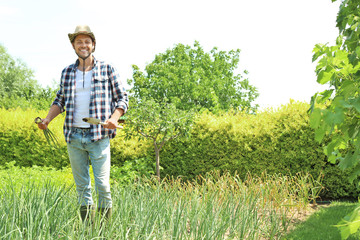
{"x":158,"y":165}
{"x":157,"y":157}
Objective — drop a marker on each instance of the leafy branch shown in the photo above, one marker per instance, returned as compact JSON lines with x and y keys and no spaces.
{"x":335,"y":112}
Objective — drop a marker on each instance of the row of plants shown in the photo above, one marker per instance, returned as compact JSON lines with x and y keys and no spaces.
{"x":213,"y":206}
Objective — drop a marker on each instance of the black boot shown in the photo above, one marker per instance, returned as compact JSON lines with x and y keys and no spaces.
{"x":105,"y":213}
{"x":105,"y":217}
{"x":87,"y":213}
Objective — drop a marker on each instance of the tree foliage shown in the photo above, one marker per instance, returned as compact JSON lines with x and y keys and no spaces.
{"x":15,"y":78}
{"x":339,"y":67}
{"x":190,"y":78}
{"x":18,"y":88}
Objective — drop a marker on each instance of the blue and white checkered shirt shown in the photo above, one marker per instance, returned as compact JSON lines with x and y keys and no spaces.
{"x":106,"y":94}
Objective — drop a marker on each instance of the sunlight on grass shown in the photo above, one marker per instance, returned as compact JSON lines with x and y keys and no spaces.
{"x":321,"y":224}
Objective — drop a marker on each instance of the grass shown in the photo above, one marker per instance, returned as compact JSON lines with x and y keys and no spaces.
{"x":321,"y":224}
{"x":211,"y":207}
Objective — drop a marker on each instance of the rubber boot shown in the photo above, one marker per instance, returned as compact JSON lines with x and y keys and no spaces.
{"x":87,"y":214}
{"x":105,"y":213}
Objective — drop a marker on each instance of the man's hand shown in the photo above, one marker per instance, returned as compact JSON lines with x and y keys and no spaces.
{"x":50,"y":137}
{"x":111,"y":123}
{"x":42,"y":123}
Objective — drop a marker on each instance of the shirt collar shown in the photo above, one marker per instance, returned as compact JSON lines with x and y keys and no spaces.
{"x":77,"y":62}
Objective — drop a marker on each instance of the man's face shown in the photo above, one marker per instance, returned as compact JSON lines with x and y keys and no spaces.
{"x":83,"y":46}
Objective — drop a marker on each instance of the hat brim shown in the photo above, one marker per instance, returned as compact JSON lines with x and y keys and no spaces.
{"x":72,"y":36}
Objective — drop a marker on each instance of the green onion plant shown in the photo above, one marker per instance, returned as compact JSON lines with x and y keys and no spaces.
{"x":214,"y":206}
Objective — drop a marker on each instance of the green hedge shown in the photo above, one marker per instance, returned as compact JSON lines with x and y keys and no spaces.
{"x":276,"y":141}
{"x":23,"y":142}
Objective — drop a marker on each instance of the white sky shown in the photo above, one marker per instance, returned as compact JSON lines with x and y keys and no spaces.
{"x":276,"y":37}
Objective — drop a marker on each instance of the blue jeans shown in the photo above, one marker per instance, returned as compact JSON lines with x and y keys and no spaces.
{"x":80,"y":151}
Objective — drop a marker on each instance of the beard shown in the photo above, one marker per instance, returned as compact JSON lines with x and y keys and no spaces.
{"x":82,"y":56}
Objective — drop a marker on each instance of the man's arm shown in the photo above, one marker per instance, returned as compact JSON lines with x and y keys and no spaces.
{"x":119,"y":94}
{"x":53,"y":113}
{"x":111,"y":123}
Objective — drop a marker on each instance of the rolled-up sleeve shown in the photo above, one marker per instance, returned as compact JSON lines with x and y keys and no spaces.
{"x":120,"y":96}
{"x":59,"y":99}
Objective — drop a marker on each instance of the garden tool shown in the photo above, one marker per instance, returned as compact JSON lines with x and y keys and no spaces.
{"x":98,"y":121}
{"x":49,"y":135}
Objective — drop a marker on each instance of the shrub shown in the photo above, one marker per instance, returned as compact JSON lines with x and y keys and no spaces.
{"x":276,"y":141}
{"x":23,"y":142}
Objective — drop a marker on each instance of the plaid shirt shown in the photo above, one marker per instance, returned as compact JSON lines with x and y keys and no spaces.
{"x":107,"y":93}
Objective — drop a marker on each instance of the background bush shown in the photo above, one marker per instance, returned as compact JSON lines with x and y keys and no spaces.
{"x":275,"y":141}
{"x":21,"y":140}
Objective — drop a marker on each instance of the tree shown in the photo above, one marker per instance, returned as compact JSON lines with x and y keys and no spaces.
{"x":15,"y":78}
{"x":189,"y":78}
{"x":18,"y":86}
{"x":158,"y":121}
{"x":339,"y":67}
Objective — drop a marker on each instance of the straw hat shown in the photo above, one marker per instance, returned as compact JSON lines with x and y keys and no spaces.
{"x":81,"y":29}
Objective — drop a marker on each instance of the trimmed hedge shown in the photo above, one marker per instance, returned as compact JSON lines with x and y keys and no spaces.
{"x":275,"y":141}
{"x":23,"y":142}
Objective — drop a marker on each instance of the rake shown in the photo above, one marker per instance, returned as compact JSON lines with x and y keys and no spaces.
{"x":49,"y":135}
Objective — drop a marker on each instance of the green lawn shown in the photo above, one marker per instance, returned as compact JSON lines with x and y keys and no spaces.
{"x":320,"y":225}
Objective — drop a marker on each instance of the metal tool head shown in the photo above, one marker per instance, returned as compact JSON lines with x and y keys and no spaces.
{"x":96,"y":121}
{"x":49,"y":135}
{"x":92,"y":120}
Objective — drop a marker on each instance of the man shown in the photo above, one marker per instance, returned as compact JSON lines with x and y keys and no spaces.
{"x":89,"y":88}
